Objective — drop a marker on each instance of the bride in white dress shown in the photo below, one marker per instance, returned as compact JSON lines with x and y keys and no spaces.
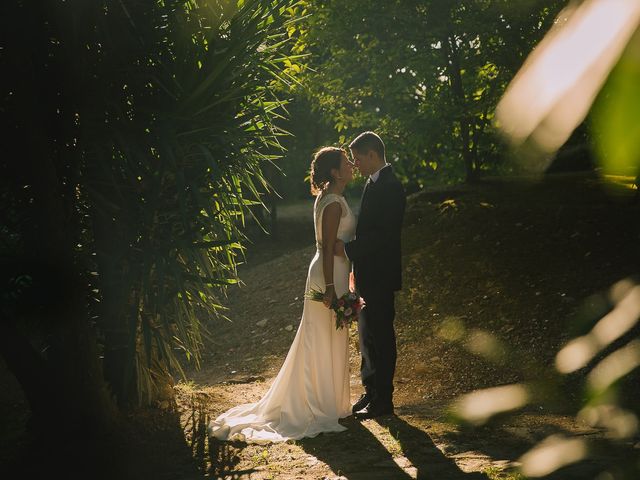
{"x":311,"y":391}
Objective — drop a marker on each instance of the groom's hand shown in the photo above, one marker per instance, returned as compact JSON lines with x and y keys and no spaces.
{"x":338,"y":249}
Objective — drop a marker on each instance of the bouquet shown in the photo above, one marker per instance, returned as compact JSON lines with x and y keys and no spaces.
{"x":346,"y":308}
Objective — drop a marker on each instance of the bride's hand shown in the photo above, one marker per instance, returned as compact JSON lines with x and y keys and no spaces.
{"x":329,"y":296}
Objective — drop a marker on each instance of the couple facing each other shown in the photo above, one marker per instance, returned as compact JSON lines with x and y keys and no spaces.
{"x":311,"y":391}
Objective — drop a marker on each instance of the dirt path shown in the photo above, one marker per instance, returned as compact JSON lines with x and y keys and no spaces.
{"x":243,"y":365}
{"x":448,"y":284}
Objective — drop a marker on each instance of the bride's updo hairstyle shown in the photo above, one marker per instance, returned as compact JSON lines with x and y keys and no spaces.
{"x":324,"y":160}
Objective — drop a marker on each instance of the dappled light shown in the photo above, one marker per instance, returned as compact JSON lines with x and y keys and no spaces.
{"x":487,"y":345}
{"x":599,"y":412}
{"x":551,"y":454}
{"x":615,"y":366}
{"x":451,"y":329}
{"x":618,"y":422}
{"x":478,"y":407}
{"x":624,"y":316}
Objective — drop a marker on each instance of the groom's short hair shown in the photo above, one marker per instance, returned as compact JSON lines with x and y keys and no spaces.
{"x":366,"y":142}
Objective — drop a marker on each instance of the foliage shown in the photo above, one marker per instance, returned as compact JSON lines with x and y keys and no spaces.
{"x":309,"y":131}
{"x":426,"y":74}
{"x":615,"y":121}
{"x":600,"y":364}
{"x":601,"y":359}
{"x":155,"y":123}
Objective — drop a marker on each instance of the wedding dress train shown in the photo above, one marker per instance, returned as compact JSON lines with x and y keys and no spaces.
{"x":311,"y":391}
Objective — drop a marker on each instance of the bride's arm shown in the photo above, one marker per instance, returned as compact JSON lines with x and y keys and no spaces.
{"x":330,"y":222}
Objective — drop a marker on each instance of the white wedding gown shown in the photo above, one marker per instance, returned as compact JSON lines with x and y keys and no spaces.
{"x":311,"y":391}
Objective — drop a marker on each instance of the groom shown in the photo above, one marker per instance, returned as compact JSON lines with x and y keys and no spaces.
{"x":375,"y":253}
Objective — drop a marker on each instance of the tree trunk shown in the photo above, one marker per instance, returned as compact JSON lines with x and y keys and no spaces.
{"x":459,"y":98}
{"x":74,"y":370}
{"x":29,"y":368}
{"x":116,"y":284}
{"x":65,"y":387}
{"x":464,"y":120}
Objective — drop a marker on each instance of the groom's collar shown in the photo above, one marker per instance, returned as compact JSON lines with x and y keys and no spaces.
{"x":374,"y":176}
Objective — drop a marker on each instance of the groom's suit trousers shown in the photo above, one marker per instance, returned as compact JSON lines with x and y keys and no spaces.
{"x":376,"y":257}
{"x":378,"y":344}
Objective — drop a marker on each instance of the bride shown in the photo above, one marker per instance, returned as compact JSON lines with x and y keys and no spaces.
{"x":311,"y":391}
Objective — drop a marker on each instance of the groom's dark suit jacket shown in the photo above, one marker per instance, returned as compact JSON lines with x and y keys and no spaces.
{"x":375,"y":251}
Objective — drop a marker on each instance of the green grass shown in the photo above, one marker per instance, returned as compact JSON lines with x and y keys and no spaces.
{"x":494,"y":473}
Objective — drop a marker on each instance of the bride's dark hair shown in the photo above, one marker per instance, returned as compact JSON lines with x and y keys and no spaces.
{"x":324,"y":160}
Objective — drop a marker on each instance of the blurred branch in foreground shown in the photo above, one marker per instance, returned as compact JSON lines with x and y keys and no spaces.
{"x":558,"y":83}
{"x":605,"y":359}
{"x":588,"y":64}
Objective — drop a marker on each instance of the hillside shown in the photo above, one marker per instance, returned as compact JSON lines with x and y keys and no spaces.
{"x":497,"y":277}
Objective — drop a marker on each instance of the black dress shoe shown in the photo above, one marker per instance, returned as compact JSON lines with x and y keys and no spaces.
{"x":374,"y":410}
{"x":362,"y":402}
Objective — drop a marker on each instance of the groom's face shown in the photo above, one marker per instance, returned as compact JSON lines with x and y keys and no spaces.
{"x":365,"y":162}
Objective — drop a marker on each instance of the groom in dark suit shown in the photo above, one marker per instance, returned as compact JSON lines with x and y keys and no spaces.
{"x":375,"y":253}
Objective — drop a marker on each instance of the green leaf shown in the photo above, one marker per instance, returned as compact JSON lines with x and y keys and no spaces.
{"x":616,"y":117}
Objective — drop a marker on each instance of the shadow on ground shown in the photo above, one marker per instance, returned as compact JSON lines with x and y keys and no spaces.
{"x":400,"y":451}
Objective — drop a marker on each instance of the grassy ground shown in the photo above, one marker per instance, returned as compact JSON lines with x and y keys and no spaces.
{"x":497,"y":277}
